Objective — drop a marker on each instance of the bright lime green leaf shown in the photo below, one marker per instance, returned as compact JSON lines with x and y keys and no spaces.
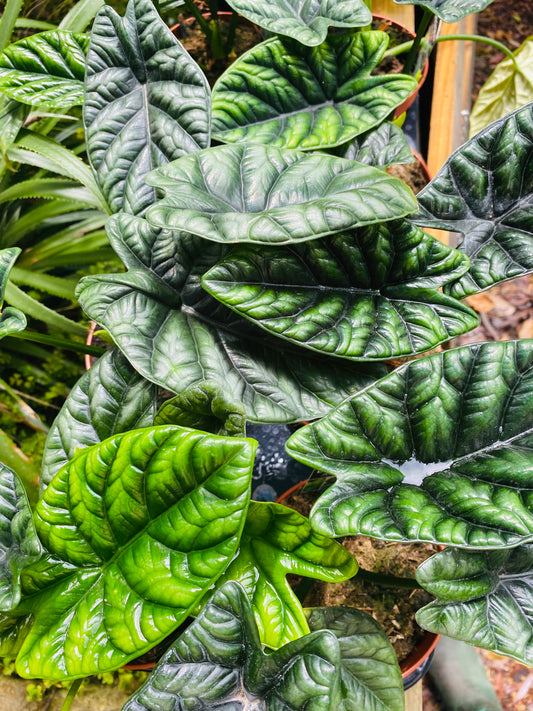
{"x":142,"y":525}
{"x":277,"y":541}
{"x":505,"y":90}
{"x":439,"y":450}
{"x":46,"y":69}
{"x":283,"y":94}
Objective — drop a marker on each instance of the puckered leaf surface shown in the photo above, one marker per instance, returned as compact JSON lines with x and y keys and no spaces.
{"x":305,"y":21}
{"x":277,"y":541}
{"x":369,"y":678}
{"x":19,"y":544}
{"x":46,"y":69}
{"x":381,"y":147}
{"x":450,"y":10}
{"x":483,"y":598}
{"x":218,"y":662}
{"x":251,"y":193}
{"x":369,"y":293}
{"x":179,"y":337}
{"x":110,"y":398}
{"x":147,"y":102}
{"x":485,"y":191}
{"x":143,"y":524}
{"x":284,"y":94}
{"x":11,"y":320}
{"x":439,"y":450}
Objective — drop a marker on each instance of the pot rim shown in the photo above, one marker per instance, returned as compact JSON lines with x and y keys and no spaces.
{"x":422,"y":650}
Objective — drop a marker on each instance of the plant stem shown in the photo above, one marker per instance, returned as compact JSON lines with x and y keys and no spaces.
{"x":483,"y":40}
{"x":74,"y":687}
{"x":387,"y":580}
{"x":230,"y":37}
{"x":191,"y":7}
{"x":58,"y":342}
{"x":420,"y":34}
{"x":368,"y":3}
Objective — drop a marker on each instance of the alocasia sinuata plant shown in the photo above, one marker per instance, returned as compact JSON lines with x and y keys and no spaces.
{"x":270,"y":285}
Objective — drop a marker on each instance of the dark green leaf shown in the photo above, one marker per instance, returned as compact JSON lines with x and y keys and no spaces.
{"x":381,"y":147}
{"x":283,"y":94}
{"x":171,"y":345}
{"x":485,"y":191}
{"x":250,"y":193}
{"x":307,"y":22}
{"x":485,"y":599}
{"x":144,"y":523}
{"x":507,"y":89}
{"x":13,"y":630}
{"x":218,"y":662}
{"x":19,"y":544}
{"x":278,"y":541}
{"x":109,"y":399}
{"x":370,"y":293}
{"x":439,"y":450}
{"x":370,"y":678}
{"x":12,"y":117}
{"x":11,"y":320}
{"x":204,"y":406}
{"x":147,"y":102}
{"x":46,"y":69}
{"x":450,"y":10}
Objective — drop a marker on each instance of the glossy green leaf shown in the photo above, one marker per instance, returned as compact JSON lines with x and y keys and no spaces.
{"x":278,"y":541}
{"x":249,"y":193}
{"x":370,"y":677}
{"x":19,"y":544}
{"x":284,"y":94}
{"x":177,"y":349}
{"x":450,"y":10}
{"x":485,"y":191}
{"x":144,"y":523}
{"x":204,"y":406}
{"x":381,"y":147}
{"x":505,"y":90}
{"x":13,"y":630}
{"x":110,"y":398}
{"x":439,"y":450}
{"x":46,"y":69}
{"x":11,"y":319}
{"x":12,"y":117}
{"x":369,"y":293}
{"x":305,"y":21}
{"x":485,"y":599}
{"x":218,"y":662}
{"x":147,"y":102}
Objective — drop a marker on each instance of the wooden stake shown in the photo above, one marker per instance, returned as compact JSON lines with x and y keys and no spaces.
{"x":401,"y":13}
{"x":413,"y":698}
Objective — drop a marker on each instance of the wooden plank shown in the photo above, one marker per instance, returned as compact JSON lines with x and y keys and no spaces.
{"x":413,"y":698}
{"x":450,"y":105}
{"x":401,"y":13}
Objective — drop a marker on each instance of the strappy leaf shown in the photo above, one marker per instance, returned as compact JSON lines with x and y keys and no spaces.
{"x":12,"y":320}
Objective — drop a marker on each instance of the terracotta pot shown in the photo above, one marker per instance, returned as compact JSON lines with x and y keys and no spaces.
{"x":415,"y":666}
{"x":402,"y":108}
